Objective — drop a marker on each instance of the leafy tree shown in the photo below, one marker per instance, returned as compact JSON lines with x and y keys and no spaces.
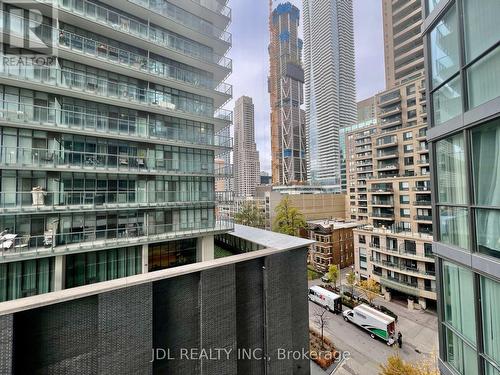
{"x":397,"y":366}
{"x":250,"y":215}
{"x":289,"y":220}
{"x":333,"y":274}
{"x":351,"y":280}
{"x":370,"y":289}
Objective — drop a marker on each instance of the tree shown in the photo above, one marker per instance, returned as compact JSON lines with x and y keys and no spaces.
{"x":320,"y":317}
{"x":333,"y":274}
{"x":397,"y":366}
{"x":250,"y":215}
{"x":289,"y":220}
{"x":370,"y":289}
{"x":351,"y":280}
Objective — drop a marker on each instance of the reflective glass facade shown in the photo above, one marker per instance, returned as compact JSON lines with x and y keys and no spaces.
{"x":109,"y":146}
{"x":462,"y":43}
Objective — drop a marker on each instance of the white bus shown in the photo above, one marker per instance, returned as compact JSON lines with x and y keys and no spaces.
{"x":329,"y":300}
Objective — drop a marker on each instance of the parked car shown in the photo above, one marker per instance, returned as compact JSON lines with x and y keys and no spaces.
{"x":325,"y":278}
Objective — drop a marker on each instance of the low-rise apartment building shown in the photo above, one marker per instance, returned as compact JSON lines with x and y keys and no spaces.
{"x":334,"y":243}
{"x":402,"y":262}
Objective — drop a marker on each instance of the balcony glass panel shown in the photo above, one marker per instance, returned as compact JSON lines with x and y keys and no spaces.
{"x":447,"y":101}
{"x":185,"y":18}
{"x":86,"y":119}
{"x":484,"y":79}
{"x":460,"y":355}
{"x":454,"y":227}
{"x":458,"y":299}
{"x":451,"y":171}
{"x":444,"y":48}
{"x":490,"y":295}
{"x":479,"y":36}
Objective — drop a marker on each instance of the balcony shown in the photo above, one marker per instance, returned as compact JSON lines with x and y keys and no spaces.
{"x":423,"y":218}
{"x":402,"y":268}
{"x":381,"y":189}
{"x":422,"y":203}
{"x":25,"y":246}
{"x":422,"y":189}
{"x":390,"y":111}
{"x":389,"y":98}
{"x":387,"y":155}
{"x":386,"y":142}
{"x":186,"y":19}
{"x":126,"y":128}
{"x":120,"y":94}
{"x":422,"y":134}
{"x":408,"y":288}
{"x":382,"y":216}
{"x":423,"y":149}
{"x":66,"y":160}
{"x":63,"y":201}
{"x":383,"y":202}
{"x":423,"y":161}
{"x":388,"y":167}
{"x":390,"y":121}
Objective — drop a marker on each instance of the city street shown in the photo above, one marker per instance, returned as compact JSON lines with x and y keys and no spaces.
{"x":419,"y":329}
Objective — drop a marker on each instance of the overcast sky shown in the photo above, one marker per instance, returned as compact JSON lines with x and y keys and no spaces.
{"x":251,"y":62}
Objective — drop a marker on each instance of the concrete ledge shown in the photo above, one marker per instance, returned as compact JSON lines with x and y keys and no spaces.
{"x":10,"y":307}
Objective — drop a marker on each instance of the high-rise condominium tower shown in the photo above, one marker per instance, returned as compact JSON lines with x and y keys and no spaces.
{"x":246,"y":156}
{"x":330,"y":84}
{"x":107,"y":152}
{"x":403,"y":47}
{"x":288,"y":135}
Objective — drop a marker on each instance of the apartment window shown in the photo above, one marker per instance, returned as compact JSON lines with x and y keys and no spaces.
{"x":408,"y":160}
{"x":408,"y":149}
{"x":453,"y":224}
{"x":428,"y":250}
{"x":447,"y":101}
{"x":411,"y":102}
{"x":480,"y":35}
{"x":412,"y":114}
{"x":458,"y":300}
{"x":487,"y":232}
{"x":410,"y":89}
{"x":451,"y":176}
{"x":407,"y":136}
{"x":444,"y":48}
{"x":490,"y":308}
{"x":404,"y":199}
{"x":484,"y":78}
{"x":362,"y":239}
{"x":405,"y":186}
{"x":431,"y":4}
{"x":362,"y":258}
{"x":461,"y":356}
{"x":405,"y":212}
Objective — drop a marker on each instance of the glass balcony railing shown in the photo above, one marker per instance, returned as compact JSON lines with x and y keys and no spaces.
{"x":135,"y":127}
{"x":214,"y":6}
{"x":26,"y":245}
{"x":43,"y":201}
{"x":21,"y":157}
{"x":141,"y":30}
{"x":121,"y":57}
{"x":123,"y":92}
{"x":186,"y":19}
{"x":134,"y":61}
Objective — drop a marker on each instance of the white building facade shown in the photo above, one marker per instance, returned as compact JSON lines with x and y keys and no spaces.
{"x":246,"y":156}
{"x":330,"y":84}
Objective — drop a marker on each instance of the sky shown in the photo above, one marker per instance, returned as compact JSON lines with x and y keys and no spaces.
{"x":251,"y":62}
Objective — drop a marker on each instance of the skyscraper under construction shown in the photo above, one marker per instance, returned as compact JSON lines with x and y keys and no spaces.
{"x":286,"y":79}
